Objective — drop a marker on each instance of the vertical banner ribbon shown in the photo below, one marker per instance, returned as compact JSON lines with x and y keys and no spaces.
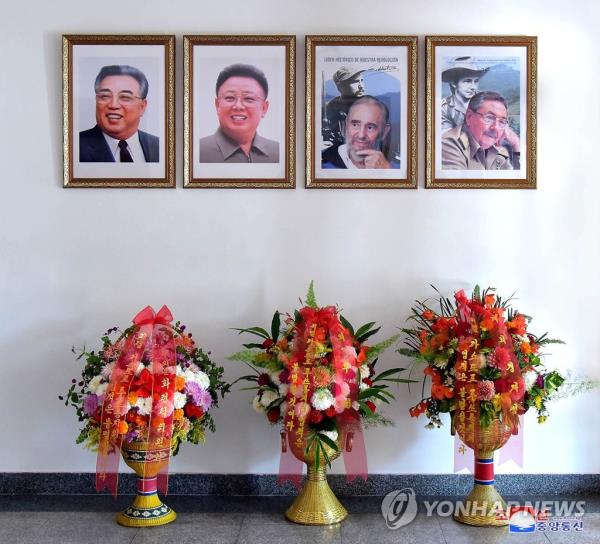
{"x":150,"y":341}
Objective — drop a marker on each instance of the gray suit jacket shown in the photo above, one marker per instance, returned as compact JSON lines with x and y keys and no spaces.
{"x":221,"y":148}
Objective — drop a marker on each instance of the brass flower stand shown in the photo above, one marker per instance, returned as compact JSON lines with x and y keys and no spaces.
{"x":147,"y":509}
{"x":316,"y":504}
{"x":484,"y":506}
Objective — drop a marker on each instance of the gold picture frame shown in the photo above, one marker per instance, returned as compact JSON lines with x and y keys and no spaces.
{"x":381,"y":72}
{"x":96,"y":123}
{"x":490,"y":144}
{"x":247,"y":137}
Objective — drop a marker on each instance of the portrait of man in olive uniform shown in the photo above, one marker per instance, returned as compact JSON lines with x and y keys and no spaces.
{"x":463,"y":78}
{"x":474,"y":144}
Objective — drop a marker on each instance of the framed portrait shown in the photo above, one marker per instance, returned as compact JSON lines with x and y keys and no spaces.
{"x":481,"y":112}
{"x":239,"y":111}
{"x":361,"y":112}
{"x":118,"y":111}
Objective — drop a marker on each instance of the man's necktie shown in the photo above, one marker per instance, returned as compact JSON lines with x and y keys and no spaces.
{"x":124,"y":154}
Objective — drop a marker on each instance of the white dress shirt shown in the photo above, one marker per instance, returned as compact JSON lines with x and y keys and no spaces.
{"x":133,"y":145}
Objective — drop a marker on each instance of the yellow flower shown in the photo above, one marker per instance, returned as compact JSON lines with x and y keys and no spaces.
{"x":542,"y":419}
{"x":497,"y":403}
{"x":538,"y":402}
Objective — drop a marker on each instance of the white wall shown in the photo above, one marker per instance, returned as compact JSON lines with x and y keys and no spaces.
{"x":75,"y":262}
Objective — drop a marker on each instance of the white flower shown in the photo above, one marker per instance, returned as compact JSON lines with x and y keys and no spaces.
{"x":144,"y":405}
{"x":268,"y":397}
{"x":179,"y":399}
{"x":363,"y":386}
{"x":202,"y":380}
{"x":355,"y":405}
{"x":197,"y":376}
{"x":95,"y":383}
{"x":101,"y":389}
{"x":274,"y":377}
{"x":257,"y":405}
{"x":179,"y":371}
{"x":530,"y":379}
{"x":107,"y":371}
{"x":139,"y":368}
{"x":364,"y":371}
{"x":332,"y":435}
{"x":283,"y":389}
{"x":322,"y":399}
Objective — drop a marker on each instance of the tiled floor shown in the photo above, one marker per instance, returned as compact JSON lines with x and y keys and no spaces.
{"x":222,"y":520}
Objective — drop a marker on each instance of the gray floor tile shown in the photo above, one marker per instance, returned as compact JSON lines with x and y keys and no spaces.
{"x":83,"y":528}
{"x":21,"y":527}
{"x":589,"y":535}
{"x":194,"y":528}
{"x":361,"y":528}
{"x":458,"y":533}
{"x":275,"y":529}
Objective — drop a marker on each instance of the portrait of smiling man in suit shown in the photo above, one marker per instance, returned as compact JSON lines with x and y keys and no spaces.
{"x":121,"y":100}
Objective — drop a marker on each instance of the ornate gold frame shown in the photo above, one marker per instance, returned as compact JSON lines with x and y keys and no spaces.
{"x":410,"y":182}
{"x":169,"y":89}
{"x":530,"y":180}
{"x":289,"y":181}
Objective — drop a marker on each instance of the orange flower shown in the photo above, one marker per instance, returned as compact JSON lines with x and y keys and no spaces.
{"x":428,"y":314}
{"x":123,"y":427}
{"x":525,"y":348}
{"x":179,"y":383}
{"x":518,"y":325}
{"x":132,"y":397}
{"x":185,"y":342}
{"x":435,"y":377}
{"x":178,"y":414}
{"x":489,"y":300}
{"x":441,"y":392}
{"x":362,"y":356}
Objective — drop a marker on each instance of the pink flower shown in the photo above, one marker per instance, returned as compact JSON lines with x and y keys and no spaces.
{"x":485,"y":390}
{"x":90,"y":404}
{"x":163,"y":408}
{"x":499,"y":359}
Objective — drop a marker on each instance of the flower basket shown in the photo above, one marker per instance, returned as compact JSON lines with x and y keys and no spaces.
{"x":314,"y":375}
{"x":147,"y":390}
{"x":486,"y":370}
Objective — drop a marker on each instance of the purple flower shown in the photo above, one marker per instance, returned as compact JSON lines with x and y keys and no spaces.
{"x":193,"y":390}
{"x":90,"y":404}
{"x":205,"y":400}
{"x":199,"y":396}
{"x":540,"y":381}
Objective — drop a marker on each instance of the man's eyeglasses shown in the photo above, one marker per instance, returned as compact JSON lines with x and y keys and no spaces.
{"x":489,"y":119}
{"x":122,"y":98}
{"x":248,"y":100}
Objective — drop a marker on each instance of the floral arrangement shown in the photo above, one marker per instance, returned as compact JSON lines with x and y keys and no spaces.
{"x":481,"y":342}
{"x":198,"y":384}
{"x":315,"y":370}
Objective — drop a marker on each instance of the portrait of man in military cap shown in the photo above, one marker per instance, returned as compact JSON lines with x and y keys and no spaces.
{"x":463,"y":77}
{"x":350,"y":84}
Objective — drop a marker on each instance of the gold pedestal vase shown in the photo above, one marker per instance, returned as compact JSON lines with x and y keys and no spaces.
{"x":316,"y":504}
{"x":147,"y":509}
{"x":484,"y":506}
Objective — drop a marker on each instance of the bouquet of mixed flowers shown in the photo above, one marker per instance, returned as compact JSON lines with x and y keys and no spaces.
{"x":479,"y":351}
{"x":313,"y":373}
{"x":195,"y":384}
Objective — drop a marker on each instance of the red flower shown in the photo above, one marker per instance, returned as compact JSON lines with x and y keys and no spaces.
{"x":428,"y":314}
{"x":368,"y":381}
{"x":330,"y":412}
{"x":191,"y":410}
{"x":263,"y":379}
{"x":316,"y":417}
{"x":273,"y":415}
{"x":371,"y":405}
{"x":267,"y":343}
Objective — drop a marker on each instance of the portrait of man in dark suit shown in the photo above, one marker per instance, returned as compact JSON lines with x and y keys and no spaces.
{"x":121,"y":100}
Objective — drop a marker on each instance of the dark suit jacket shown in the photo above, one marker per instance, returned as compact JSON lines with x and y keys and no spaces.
{"x":93,"y":146}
